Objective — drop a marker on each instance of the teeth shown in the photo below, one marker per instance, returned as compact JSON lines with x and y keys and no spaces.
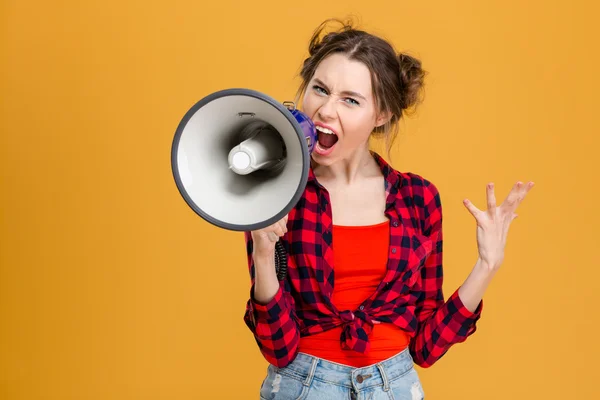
{"x":324,"y":130}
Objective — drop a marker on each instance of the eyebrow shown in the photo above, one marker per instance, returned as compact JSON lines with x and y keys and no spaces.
{"x":345,"y":92}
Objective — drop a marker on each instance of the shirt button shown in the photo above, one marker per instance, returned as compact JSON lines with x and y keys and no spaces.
{"x":394,"y":250}
{"x":395,"y":223}
{"x":361,"y":308}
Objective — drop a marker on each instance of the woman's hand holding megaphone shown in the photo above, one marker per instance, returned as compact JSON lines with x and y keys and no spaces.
{"x":266,"y":283}
{"x":265,"y":239}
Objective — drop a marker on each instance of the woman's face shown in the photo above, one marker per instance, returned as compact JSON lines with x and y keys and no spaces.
{"x":340,"y":102}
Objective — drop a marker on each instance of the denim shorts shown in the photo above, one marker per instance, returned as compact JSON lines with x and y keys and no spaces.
{"x":313,"y":378}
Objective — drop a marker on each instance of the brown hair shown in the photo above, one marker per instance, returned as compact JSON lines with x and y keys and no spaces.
{"x":397,"y":78}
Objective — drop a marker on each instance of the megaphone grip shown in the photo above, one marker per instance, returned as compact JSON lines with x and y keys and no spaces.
{"x":280,"y":261}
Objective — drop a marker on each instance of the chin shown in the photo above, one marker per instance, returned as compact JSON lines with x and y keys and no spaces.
{"x":322,"y":160}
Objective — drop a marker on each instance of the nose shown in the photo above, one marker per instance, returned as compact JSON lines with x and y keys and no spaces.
{"x":327,"y":109}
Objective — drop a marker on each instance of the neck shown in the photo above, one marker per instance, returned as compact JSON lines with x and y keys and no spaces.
{"x":350,"y":169}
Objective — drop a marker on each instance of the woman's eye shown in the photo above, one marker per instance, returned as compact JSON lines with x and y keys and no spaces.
{"x":352,"y":101}
{"x":319,"y":89}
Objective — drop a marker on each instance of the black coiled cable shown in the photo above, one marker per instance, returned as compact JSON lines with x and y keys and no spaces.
{"x":280,"y":261}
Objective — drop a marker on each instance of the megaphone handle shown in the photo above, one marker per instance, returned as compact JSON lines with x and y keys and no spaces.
{"x":280,"y":261}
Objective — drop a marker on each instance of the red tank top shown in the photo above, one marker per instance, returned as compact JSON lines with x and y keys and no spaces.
{"x":360,"y":263}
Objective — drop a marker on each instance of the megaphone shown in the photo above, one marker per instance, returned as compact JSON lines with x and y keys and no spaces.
{"x":240,"y":159}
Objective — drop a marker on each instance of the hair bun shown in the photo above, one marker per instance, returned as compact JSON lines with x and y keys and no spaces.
{"x":412,"y":78}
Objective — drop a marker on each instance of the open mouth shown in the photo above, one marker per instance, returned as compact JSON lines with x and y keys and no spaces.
{"x":326,"y":138}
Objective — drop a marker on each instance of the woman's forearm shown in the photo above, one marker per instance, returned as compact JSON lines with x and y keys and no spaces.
{"x":266,"y":284}
{"x":472,"y":290}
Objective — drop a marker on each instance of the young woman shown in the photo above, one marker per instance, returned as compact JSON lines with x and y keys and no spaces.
{"x":363,"y":298}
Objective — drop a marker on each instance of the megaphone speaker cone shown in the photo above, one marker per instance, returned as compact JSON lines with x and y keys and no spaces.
{"x":240,"y":159}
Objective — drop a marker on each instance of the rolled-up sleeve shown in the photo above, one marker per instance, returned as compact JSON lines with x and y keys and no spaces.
{"x":441,"y":323}
{"x":274,"y":324}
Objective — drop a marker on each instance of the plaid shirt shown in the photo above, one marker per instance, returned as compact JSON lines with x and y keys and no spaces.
{"x":410,"y":295}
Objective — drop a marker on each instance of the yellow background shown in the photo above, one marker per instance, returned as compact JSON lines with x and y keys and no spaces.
{"x":112,"y":288}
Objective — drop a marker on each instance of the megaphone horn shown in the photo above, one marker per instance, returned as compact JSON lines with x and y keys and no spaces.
{"x":240,"y":159}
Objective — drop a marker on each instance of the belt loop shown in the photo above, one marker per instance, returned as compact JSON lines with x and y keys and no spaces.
{"x":386,"y":385}
{"x":311,"y":373}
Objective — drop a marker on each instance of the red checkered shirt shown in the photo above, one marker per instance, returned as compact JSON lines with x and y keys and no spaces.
{"x":409,"y":296}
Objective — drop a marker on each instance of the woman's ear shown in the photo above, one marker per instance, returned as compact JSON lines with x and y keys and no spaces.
{"x":383,"y":118}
